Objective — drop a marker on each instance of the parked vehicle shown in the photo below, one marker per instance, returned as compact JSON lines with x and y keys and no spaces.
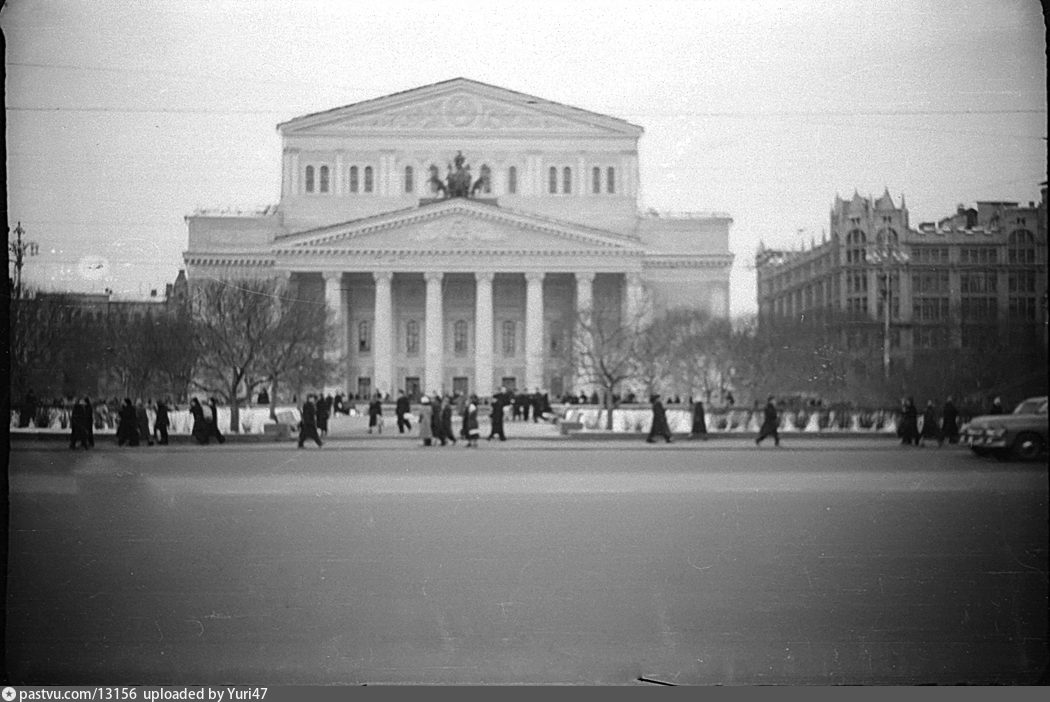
{"x":1021,"y":434}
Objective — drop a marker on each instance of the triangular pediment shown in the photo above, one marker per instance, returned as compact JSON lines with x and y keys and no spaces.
{"x":458,"y":106}
{"x":459,"y":225}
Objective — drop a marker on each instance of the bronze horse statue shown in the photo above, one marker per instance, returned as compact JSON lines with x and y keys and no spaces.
{"x":458,"y":182}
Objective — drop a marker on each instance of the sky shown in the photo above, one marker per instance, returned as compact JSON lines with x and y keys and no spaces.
{"x":124,"y":116}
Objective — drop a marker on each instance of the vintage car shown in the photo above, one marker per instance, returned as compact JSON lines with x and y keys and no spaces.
{"x":1021,"y":434}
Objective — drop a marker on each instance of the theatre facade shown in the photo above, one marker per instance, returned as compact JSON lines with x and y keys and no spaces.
{"x":457,"y":230}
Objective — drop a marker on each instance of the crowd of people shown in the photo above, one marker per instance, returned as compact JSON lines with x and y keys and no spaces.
{"x":937,"y":425}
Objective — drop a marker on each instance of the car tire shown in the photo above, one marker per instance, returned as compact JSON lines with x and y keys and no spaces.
{"x":1027,"y":447}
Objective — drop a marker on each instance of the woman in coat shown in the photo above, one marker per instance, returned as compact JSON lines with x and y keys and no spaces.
{"x":200,"y":426}
{"x":142,"y":420}
{"x":699,"y":428}
{"x":470,"y":422}
{"x":161,"y":423}
{"x":213,"y":425}
{"x":930,"y":428}
{"x":659,"y":426}
{"x":447,"y":431}
{"x":436,"y":426}
{"x":375,"y":414}
{"x":78,"y":422}
{"x":909,"y":426}
{"x":426,"y":417}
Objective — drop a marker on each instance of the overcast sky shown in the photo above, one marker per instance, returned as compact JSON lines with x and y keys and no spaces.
{"x":124,"y":116}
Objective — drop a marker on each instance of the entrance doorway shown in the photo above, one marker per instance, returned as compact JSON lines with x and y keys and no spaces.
{"x":509,"y":382}
{"x":460,"y":384}
{"x":364,"y":388}
{"x":412,"y":388}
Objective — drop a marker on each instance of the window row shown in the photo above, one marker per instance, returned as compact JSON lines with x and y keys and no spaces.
{"x":318,"y":179}
{"x":557,"y":337}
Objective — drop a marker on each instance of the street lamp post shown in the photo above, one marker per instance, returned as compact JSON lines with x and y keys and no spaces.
{"x":887,"y":254}
{"x":20,"y":249}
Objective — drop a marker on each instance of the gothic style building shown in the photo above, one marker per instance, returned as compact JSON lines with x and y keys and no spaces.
{"x":976,"y":275}
{"x":455,"y":230}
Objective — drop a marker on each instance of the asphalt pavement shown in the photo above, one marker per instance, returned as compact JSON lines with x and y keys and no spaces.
{"x":376,"y":561}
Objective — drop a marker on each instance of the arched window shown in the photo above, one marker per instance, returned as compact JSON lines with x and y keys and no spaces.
{"x":409,"y":182}
{"x":412,"y":337}
{"x":309,"y":179}
{"x":364,"y":337}
{"x":886,"y":236}
{"x":508,"y":336}
{"x":596,"y":180}
{"x":552,"y":181}
{"x":1021,"y":247}
{"x":435,"y":178}
{"x":855,"y":243}
{"x":486,"y":179}
{"x":459,"y":337}
{"x":610,"y":180}
{"x":566,"y":180}
{"x":368,"y":179}
{"x":512,"y":180}
{"x":324,"y":179}
{"x":353,"y":179}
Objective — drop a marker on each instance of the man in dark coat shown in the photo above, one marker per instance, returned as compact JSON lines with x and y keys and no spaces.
{"x":437,"y":427}
{"x":375,"y":413}
{"x":447,"y":430}
{"x":930,"y":428}
{"x":659,"y":425}
{"x":997,"y":406}
{"x":699,"y":425}
{"x":402,"y":409}
{"x":28,"y":413}
{"x":770,"y":423}
{"x":909,"y":426}
{"x":324,"y":411}
{"x":308,"y":422}
{"x":496,"y":416}
{"x":161,"y":422}
{"x":950,"y":422}
{"x":89,"y":412}
{"x":537,"y":405}
{"x":213,"y":425}
{"x":78,"y":423}
{"x":127,"y":430}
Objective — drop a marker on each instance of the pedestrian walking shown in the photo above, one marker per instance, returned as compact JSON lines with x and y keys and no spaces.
{"x":200,"y":424}
{"x":950,"y":422}
{"x":658,"y":426}
{"x":127,"y":429}
{"x":213,"y":425}
{"x":324,"y":412}
{"x":89,"y":412}
{"x":496,"y":416}
{"x":375,"y":414}
{"x":142,"y":421}
{"x":770,"y":423}
{"x":308,"y":422}
{"x":437,"y":428}
{"x":470,"y":422}
{"x":426,"y":418}
{"x":698,"y":430}
{"x":909,"y":425}
{"x":402,"y":409}
{"x":161,"y":422}
{"x":79,"y":420}
{"x":930,"y":426}
{"x":447,"y":430}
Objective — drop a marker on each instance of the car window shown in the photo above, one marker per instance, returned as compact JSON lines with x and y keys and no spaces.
{"x":1031,"y":407}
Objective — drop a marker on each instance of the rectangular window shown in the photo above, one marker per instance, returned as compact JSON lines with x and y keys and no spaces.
{"x":364,"y":337}
{"x":368,"y":179}
{"x":610,"y":180}
{"x":937,"y":255}
{"x":976,"y":282}
{"x":364,"y":388}
{"x":930,"y":309}
{"x":409,"y":180}
{"x":508,"y":337}
{"x":979,"y":309}
{"x":509,"y":382}
{"x":512,"y":180}
{"x":1022,"y":309}
{"x":412,"y":338}
{"x":413,"y":387}
{"x":566,"y":180}
{"x":461,"y":384}
{"x":552,"y":181}
{"x":1021,"y":281}
{"x":353,"y":179}
{"x":596,"y":180}
{"x":459,"y":337}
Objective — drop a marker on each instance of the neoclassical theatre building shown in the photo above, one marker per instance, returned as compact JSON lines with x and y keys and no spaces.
{"x":455,"y":229}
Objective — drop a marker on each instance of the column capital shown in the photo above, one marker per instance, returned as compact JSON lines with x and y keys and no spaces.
{"x":535,"y":276}
{"x":484,"y":277}
{"x":633,"y":278}
{"x":585,"y":277}
{"x":433,"y":276}
{"x":332,"y":275}
{"x":382,"y":276}
{"x":283,"y":275}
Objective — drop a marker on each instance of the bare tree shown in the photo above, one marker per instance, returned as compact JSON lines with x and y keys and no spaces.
{"x":49,"y":346}
{"x":606,"y":350}
{"x":251,"y":331}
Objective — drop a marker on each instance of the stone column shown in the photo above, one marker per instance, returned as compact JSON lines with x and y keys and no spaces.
{"x":333,"y":298}
{"x":584,"y":308}
{"x":533,"y":331}
{"x":483,"y":321}
{"x":295,"y":173}
{"x":632,"y":298}
{"x":382,"y":344}
{"x":435,"y":343}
